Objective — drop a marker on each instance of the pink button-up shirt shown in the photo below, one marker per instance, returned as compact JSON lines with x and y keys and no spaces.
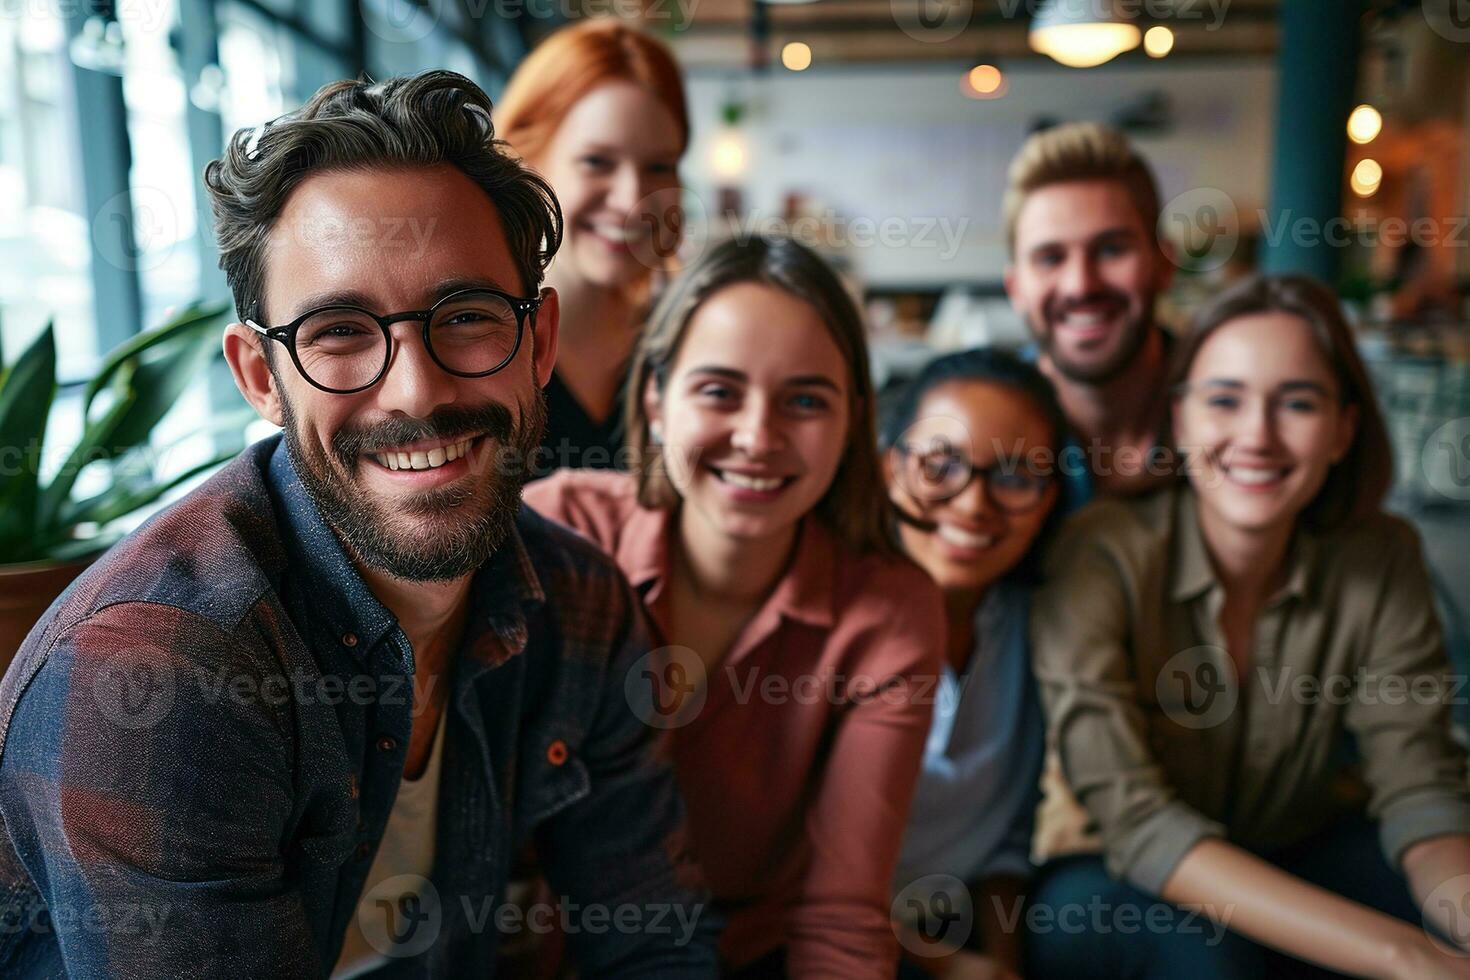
{"x":798,"y":786}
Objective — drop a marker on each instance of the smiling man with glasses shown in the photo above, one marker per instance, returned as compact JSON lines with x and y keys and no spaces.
{"x":301,"y":723}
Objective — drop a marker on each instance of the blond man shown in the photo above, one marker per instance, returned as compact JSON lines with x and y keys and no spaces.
{"x":1085,"y":271}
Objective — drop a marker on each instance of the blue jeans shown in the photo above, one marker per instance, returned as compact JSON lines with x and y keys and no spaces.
{"x":1085,"y":925}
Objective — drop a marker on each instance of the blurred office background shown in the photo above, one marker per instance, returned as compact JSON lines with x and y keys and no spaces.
{"x":1327,"y":136}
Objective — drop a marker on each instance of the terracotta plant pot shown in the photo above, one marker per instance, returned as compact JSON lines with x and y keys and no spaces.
{"x":25,"y":592}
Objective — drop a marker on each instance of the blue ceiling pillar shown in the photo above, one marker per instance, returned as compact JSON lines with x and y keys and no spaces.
{"x":1318,"y":82}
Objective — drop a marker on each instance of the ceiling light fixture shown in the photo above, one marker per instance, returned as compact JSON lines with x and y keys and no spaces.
{"x":1083,"y":33}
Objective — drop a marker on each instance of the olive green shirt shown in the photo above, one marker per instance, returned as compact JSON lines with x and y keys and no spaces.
{"x":1163,"y":746}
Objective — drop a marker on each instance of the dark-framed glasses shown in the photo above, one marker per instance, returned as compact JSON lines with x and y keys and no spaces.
{"x":936,"y":473}
{"x":471,"y":333}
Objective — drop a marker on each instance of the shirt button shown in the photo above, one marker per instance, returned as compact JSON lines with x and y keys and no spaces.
{"x":556,"y":752}
{"x":363,"y":850}
{"x":349,"y":639}
{"x":387,"y":743}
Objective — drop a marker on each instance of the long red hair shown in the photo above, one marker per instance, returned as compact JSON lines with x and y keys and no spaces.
{"x":571,"y":63}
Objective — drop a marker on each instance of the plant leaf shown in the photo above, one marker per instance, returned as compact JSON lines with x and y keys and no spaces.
{"x":77,"y":511}
{"x":26,"y":392}
{"x":91,"y":446}
{"x":146,"y":384}
{"x":196,"y":316}
{"x":156,"y":386}
{"x":80,"y":547}
{"x":112,"y":505}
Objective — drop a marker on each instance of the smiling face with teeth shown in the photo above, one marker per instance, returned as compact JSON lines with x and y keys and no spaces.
{"x":1261,"y":421}
{"x":754,"y":416}
{"x":420,"y":474}
{"x":614,"y":164}
{"x":1085,"y":276}
{"x":973,"y":544}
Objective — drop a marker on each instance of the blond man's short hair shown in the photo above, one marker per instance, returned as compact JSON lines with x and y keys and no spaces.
{"x":1078,"y":151}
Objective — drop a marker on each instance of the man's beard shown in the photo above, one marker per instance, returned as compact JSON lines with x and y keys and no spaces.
{"x":465,"y":522}
{"x":1135,"y":335}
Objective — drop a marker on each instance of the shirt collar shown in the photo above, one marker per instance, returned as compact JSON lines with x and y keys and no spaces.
{"x":1193,"y":573}
{"x":503,"y":588}
{"x":998,"y":605}
{"x":804,"y":592}
{"x":643,"y":548}
{"x":510,"y":573}
{"x":1301,"y":566}
{"x":335,"y":590}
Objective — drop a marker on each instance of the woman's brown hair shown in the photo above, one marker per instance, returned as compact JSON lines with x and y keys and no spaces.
{"x":1356,"y":484}
{"x":571,"y":63}
{"x":855,"y":506}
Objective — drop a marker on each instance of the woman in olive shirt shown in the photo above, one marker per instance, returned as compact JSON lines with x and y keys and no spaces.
{"x":1215,"y":657}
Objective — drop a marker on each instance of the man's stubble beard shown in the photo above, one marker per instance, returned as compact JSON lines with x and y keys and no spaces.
{"x":469,"y":521}
{"x":1136,"y":333}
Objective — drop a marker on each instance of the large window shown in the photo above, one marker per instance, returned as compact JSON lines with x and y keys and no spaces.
{"x":106,"y":123}
{"x":162,"y":181}
{"x":45,"y":241}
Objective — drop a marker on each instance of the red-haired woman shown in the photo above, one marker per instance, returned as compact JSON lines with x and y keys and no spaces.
{"x":599,"y":109}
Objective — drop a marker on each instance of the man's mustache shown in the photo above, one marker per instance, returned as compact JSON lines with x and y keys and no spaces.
{"x":1062,"y":307}
{"x":450,"y":423}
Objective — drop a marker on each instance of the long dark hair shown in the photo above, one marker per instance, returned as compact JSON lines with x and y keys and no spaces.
{"x":992,"y":366}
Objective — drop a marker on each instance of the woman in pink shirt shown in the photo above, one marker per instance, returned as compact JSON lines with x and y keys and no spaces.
{"x":804,"y":651}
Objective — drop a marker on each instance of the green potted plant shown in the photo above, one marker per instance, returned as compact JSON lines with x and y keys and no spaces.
{"x":48,"y":534}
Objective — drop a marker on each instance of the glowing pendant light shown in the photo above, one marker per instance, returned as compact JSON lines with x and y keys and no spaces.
{"x":1083,"y":33}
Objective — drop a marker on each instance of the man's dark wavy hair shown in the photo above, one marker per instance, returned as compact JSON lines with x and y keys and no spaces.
{"x":434,"y":117}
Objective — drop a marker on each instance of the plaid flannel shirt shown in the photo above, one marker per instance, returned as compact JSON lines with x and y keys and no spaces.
{"x":201,"y":741}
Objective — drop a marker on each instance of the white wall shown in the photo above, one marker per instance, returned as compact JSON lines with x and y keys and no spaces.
{"x":904,"y":144}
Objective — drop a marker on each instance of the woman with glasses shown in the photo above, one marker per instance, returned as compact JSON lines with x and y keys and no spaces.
{"x":803,"y":649}
{"x":1245,"y":681}
{"x":971,"y":447}
{"x":599,"y":109}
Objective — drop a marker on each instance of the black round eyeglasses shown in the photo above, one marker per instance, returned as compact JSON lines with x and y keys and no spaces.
{"x":939,"y":473}
{"x":471,"y":333}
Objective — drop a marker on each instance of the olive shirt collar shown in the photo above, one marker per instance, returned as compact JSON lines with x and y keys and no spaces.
{"x":1192,"y":572}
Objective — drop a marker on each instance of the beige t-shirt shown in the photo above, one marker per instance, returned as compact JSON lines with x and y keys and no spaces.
{"x":400,"y":870}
